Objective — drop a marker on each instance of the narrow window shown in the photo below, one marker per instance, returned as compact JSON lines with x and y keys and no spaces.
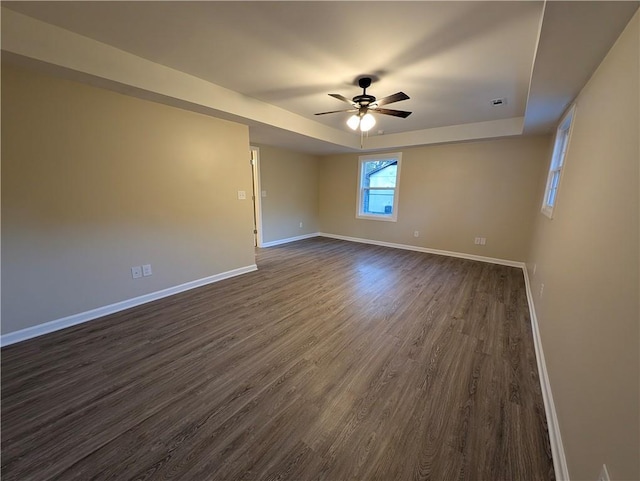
{"x":378,"y":184}
{"x":560,"y":147}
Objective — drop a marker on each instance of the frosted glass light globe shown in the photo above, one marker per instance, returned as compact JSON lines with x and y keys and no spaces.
{"x":353,"y":122}
{"x":367,"y":122}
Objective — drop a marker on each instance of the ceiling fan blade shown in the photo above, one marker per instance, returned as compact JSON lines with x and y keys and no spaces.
{"x":396,"y":113}
{"x":336,"y":111}
{"x":397,"y":97}
{"x":342,"y":97}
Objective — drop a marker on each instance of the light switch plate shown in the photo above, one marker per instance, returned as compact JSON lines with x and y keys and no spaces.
{"x":146,"y":270}
{"x":242,"y":195}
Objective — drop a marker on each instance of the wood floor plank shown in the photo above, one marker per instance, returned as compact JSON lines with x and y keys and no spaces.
{"x":333,"y":361}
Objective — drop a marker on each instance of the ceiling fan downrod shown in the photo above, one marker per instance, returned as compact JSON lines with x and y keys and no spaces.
{"x":364,"y":100}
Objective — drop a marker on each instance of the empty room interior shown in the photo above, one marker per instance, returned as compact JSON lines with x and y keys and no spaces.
{"x":320,"y":240}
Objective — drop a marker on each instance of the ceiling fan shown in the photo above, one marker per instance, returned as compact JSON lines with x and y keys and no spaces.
{"x":364,"y":105}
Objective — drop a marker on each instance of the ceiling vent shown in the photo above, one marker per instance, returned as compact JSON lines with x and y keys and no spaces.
{"x":499,"y":102}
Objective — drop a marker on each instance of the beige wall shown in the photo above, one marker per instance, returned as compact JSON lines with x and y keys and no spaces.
{"x":587,"y":257}
{"x":291,"y":182}
{"x":94,"y":182}
{"x":450,"y":194}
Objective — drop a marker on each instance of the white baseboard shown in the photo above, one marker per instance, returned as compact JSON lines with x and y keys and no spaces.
{"x":462,"y":255}
{"x":56,"y":325}
{"x":555,"y":439}
{"x":289,"y":239}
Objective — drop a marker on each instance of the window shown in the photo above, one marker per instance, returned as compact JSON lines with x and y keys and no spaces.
{"x":378,"y":181}
{"x":557,"y":162}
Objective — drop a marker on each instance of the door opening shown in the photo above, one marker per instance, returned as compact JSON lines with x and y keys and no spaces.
{"x":256,"y":197}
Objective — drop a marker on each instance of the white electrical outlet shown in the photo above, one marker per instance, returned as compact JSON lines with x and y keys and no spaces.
{"x":146,"y":270}
{"x":136,"y":272}
{"x":480,"y":241}
{"x":242,"y":195}
{"x":416,"y":233}
{"x":604,"y":474}
{"x":301,"y":225}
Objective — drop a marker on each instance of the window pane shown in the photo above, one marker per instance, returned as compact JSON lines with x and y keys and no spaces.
{"x":371,"y":165}
{"x":384,"y":178}
{"x":565,"y":143}
{"x":378,"y":201}
{"x":560,"y":149}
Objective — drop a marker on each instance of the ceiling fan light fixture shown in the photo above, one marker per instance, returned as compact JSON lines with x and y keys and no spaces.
{"x":353,"y":122}
{"x":367,"y":122}
{"x":364,"y":103}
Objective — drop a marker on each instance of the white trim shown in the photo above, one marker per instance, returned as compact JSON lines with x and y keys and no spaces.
{"x":56,"y":325}
{"x":555,"y":439}
{"x":462,"y":255}
{"x":289,"y":239}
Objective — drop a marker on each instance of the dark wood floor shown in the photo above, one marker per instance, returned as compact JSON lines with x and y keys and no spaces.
{"x":334,"y":361}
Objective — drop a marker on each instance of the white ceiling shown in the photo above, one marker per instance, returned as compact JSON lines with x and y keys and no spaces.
{"x":451,"y":58}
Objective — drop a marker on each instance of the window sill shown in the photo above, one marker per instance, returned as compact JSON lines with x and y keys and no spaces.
{"x":547,"y":212}
{"x":385,"y":218}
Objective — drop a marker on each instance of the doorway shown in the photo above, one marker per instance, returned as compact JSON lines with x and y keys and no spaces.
{"x":256,"y":197}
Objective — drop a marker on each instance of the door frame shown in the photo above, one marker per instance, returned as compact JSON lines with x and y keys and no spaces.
{"x":257,"y":193}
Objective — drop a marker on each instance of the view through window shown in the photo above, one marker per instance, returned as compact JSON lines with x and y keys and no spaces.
{"x":378,"y":186}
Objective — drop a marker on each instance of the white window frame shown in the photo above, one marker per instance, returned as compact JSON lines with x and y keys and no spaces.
{"x":360,"y":214}
{"x":558,"y":161}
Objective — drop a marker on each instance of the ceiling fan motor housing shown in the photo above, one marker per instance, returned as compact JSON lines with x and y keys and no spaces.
{"x":364,"y":100}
